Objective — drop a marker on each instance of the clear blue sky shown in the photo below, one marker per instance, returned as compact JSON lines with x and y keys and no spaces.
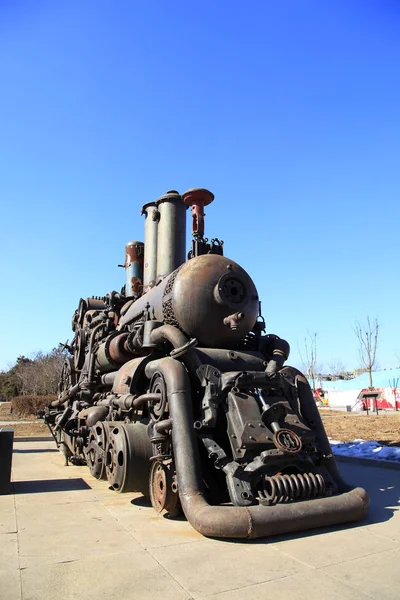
{"x":288,"y":111}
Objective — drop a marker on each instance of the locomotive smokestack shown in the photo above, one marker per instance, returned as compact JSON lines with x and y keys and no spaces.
{"x":133,"y":268}
{"x":171,"y":244}
{"x":198,"y":198}
{"x":150,"y":245}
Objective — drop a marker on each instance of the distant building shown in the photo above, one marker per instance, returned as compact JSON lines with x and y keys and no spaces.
{"x":343,"y":393}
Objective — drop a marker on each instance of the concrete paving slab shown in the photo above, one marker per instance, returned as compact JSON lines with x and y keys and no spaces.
{"x":8,"y":523}
{"x":123,"y":576}
{"x":303,"y":586}
{"x":213,"y":566}
{"x":48,"y":517}
{"x":9,"y":552}
{"x":69,"y":532}
{"x":377,"y":575}
{"x":10,"y":585}
{"x":331,"y":547}
{"x":149,"y":528}
{"x":33,"y":457}
{"x":77,"y":536}
{"x":10,"y":578}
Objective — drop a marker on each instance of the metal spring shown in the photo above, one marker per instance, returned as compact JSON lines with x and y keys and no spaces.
{"x":297,"y":486}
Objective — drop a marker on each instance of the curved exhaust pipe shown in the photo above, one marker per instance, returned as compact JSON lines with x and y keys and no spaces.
{"x":181,"y":344}
{"x":236,"y":521}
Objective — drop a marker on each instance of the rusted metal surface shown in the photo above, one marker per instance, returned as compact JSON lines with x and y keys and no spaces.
{"x":171,"y":233}
{"x":134,"y":258}
{"x":126,"y":375}
{"x":197,"y":199}
{"x":163,"y":489}
{"x":224,"y":430}
{"x":201,"y":302}
{"x":257,"y":521}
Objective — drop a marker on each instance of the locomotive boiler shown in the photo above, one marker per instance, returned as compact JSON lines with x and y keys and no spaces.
{"x":174,"y":389}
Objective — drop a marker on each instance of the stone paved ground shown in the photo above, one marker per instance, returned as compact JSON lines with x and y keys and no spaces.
{"x":64,"y":535}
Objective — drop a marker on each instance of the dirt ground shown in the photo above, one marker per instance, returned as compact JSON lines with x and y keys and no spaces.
{"x":25,"y":428}
{"x":346,"y":427}
{"x":341,"y":426}
{"x":6,"y":415}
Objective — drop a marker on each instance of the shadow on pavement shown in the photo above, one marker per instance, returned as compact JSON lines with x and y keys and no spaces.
{"x":49,"y":485}
{"x":141,"y":501}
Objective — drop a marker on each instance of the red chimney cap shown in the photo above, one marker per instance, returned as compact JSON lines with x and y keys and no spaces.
{"x":199,"y":196}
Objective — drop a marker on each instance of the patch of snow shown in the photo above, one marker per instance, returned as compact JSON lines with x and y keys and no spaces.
{"x":365,"y":449}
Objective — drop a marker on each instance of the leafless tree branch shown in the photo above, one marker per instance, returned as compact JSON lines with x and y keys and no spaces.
{"x":367,"y":336}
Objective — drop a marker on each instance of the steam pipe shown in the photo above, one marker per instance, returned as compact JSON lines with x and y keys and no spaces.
{"x":171,"y":251}
{"x":150,"y":245}
{"x":235,"y":521}
{"x":129,"y":401}
{"x":178,"y":340}
{"x":108,"y":378}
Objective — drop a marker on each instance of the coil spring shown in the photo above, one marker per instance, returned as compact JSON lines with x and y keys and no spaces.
{"x":297,"y":486}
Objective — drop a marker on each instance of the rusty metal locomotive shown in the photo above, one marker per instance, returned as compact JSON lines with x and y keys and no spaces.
{"x":174,"y":389}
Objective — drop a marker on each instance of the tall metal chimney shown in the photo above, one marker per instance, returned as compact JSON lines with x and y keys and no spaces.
{"x":171,"y":245}
{"x":150,"y":245}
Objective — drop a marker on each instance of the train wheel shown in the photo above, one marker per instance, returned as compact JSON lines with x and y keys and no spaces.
{"x":163,"y":489}
{"x":128,"y":457}
{"x":95,"y":451}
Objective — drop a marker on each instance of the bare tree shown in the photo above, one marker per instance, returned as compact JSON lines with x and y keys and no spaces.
{"x":309,"y":358}
{"x":337,"y":368}
{"x":39,"y":375}
{"x":367,"y":336}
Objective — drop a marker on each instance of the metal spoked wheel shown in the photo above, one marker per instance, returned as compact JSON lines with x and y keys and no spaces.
{"x":68,"y":377}
{"x":163,"y":489}
{"x":128,"y":457}
{"x":158,"y":386}
{"x":95,"y":451}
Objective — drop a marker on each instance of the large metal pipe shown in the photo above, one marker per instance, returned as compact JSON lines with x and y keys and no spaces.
{"x":133,"y":268}
{"x":150,"y":245}
{"x":171,"y":244}
{"x":235,"y":521}
{"x":168,"y":333}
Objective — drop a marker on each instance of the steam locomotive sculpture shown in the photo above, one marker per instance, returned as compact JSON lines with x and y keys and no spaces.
{"x":175,"y":391}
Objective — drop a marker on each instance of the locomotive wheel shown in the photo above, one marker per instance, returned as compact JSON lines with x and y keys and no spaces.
{"x":163,"y":491}
{"x":128,"y":457}
{"x":95,"y":451}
